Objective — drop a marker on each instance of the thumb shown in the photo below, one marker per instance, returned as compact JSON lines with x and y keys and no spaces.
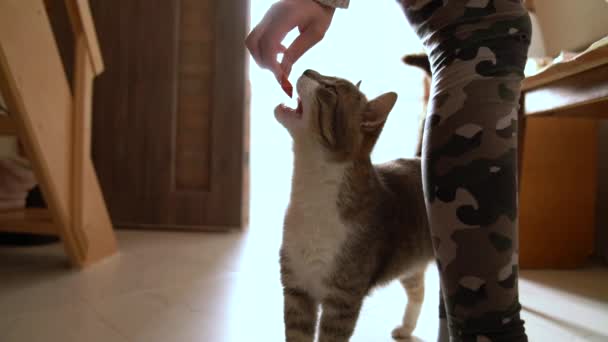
{"x":309,"y":38}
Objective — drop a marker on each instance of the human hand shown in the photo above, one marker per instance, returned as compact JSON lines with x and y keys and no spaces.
{"x":264,"y":42}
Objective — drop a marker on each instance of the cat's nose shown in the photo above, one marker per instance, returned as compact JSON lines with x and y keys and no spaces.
{"x":311,"y":74}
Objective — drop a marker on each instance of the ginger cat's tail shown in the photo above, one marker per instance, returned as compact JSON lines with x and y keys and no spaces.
{"x":421,"y":61}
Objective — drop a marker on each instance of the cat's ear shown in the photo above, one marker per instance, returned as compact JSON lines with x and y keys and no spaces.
{"x":359,"y":85}
{"x":377,"y":112}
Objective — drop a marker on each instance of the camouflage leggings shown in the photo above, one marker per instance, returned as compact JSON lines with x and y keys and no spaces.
{"x":478,"y":50}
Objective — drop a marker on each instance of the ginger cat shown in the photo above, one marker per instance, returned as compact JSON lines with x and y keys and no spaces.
{"x":350,"y":226}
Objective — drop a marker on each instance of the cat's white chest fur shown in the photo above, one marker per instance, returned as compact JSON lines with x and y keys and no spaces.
{"x":313,"y":232}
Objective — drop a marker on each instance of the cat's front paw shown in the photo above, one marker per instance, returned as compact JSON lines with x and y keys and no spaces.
{"x":403,"y":332}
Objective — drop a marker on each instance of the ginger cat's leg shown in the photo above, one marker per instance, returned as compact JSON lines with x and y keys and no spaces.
{"x":414,"y":287}
{"x":300,"y":315}
{"x":339,"y":317}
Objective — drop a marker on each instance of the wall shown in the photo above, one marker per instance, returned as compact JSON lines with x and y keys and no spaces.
{"x":571,"y":24}
{"x":537,"y":47}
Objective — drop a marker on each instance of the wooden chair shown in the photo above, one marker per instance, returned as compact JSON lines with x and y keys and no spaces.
{"x":53,"y":123}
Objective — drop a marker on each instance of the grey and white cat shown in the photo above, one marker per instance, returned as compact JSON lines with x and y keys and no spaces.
{"x":350,"y":226}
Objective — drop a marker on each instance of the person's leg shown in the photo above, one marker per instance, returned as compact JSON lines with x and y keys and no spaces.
{"x":478,"y":50}
{"x":443,"y":333}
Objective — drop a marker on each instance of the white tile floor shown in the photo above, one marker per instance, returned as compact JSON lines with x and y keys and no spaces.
{"x":183,"y":287}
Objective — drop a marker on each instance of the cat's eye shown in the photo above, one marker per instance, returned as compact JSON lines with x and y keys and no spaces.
{"x":331,"y":87}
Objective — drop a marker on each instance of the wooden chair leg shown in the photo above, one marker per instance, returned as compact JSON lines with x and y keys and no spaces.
{"x":37,"y":93}
{"x":90,"y":217}
{"x":54,"y":127}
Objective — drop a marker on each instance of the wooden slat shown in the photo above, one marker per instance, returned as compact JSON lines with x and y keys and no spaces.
{"x":586,"y":88}
{"x":96,"y":223}
{"x":33,"y":82}
{"x":7,"y":126}
{"x":90,"y":219}
{"x":82,"y":21}
{"x":34,"y":221}
{"x":83,"y":82}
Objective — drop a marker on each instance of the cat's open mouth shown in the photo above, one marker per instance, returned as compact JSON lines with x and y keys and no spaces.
{"x":293,"y":112}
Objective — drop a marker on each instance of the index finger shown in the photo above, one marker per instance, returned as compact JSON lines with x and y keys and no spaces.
{"x":304,"y":42}
{"x":279,"y":24}
{"x":253,"y":43}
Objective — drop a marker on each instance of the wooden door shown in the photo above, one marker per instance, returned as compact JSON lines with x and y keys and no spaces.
{"x":170,"y":113}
